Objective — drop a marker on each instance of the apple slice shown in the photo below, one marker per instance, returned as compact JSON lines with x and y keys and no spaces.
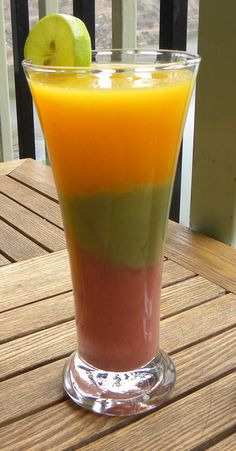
{"x":59,"y":40}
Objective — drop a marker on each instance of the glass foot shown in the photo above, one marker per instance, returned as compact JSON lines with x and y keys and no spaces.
{"x":119,"y":393}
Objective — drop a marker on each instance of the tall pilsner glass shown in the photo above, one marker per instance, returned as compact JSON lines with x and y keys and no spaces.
{"x":113,"y":132}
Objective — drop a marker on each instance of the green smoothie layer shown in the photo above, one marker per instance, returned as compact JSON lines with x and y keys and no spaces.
{"x":126,"y":228}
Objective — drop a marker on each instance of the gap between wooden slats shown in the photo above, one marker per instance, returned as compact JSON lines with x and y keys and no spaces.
{"x":41,"y":315}
{"x":8,"y":166}
{"x":228,"y":444}
{"x":65,"y":425}
{"x":4,"y":260}
{"x":32,"y":200}
{"x":188,"y":423}
{"x":34,"y":279}
{"x":16,"y":247}
{"x":37,"y":176}
{"x":31,"y":225}
{"x":209,"y":258}
{"x":177,"y":332}
{"x":49,"y":275}
{"x":38,"y":316}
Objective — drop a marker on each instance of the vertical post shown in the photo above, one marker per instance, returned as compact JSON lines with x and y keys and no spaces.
{"x":213,"y":205}
{"x":85,"y":10}
{"x":24,"y":105}
{"x":173,"y":24}
{"x":47,"y":7}
{"x":6,"y":152}
{"x":124,"y":24}
{"x":173,"y":35}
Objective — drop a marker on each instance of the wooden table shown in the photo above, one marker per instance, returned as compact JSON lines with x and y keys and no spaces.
{"x":37,"y":333}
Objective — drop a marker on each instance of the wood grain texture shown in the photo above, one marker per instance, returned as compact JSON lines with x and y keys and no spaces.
{"x":31,"y":199}
{"x":205,"y":361}
{"x":196,"y":324}
{"x":3,"y":260}
{"x":30,"y":391}
{"x":34,"y":227}
{"x":8,"y":166}
{"x":17,"y":246}
{"x":187,"y":294}
{"x":176,"y":332}
{"x":38,"y":348}
{"x":34,"y":279}
{"x":34,"y":317}
{"x":173,"y":272}
{"x":181,"y":425}
{"x":67,"y":425}
{"x":209,"y":258}
{"x":37,"y":176}
{"x":38,"y":278}
{"x":228,"y":444}
{"x":43,"y":314}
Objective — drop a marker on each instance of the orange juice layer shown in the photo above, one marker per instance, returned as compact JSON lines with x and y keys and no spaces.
{"x":113,"y":137}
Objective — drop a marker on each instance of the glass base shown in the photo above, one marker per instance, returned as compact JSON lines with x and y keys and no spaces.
{"x":119,"y":393}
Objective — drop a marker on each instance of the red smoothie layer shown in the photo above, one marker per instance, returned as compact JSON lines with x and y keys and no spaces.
{"x":117,"y":311}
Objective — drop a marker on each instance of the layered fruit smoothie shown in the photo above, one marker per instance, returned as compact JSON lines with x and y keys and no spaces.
{"x":113,"y":140}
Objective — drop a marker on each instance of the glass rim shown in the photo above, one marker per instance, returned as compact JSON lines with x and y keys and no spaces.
{"x":188,"y":60}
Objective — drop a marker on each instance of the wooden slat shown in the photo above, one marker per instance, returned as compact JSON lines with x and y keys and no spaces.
{"x":64,"y":425}
{"x":209,"y":258}
{"x":37,"y":176}
{"x":31,"y":199}
{"x":16,"y":245}
{"x":172,"y":273}
{"x":8,"y":166}
{"x":3,"y":260}
{"x":34,"y":317}
{"x":198,"y":363}
{"x":32,"y":390}
{"x":38,"y":278}
{"x":228,"y":444}
{"x":176,"y":332}
{"x":35,"y":279}
{"x":196,"y":324}
{"x":32,"y":350}
{"x":187,"y":294}
{"x":181,"y":425}
{"x":34,"y":227}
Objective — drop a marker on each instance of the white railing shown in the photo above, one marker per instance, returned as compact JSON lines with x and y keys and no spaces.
{"x":47,"y":7}
{"x":213,"y":201}
{"x":6,"y":150}
{"x":124,"y":24}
